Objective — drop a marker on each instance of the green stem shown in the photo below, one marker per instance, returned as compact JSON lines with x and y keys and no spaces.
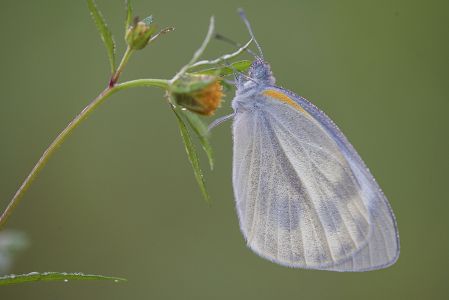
{"x":66,"y":132}
{"x":162,"y":83}
{"x":50,"y":150}
{"x":123,"y":63}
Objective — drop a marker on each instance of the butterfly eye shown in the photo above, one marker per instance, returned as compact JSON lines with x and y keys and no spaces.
{"x":261,"y":72}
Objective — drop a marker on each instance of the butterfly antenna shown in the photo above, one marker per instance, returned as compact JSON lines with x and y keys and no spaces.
{"x":248,"y":26}
{"x":223,"y":38}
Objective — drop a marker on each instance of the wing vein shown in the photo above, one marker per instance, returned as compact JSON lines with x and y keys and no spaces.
{"x":310,"y":202}
{"x":248,"y":181}
{"x":256,"y":200}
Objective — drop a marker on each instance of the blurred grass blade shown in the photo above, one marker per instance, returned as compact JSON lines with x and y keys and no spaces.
{"x":11,"y":242}
{"x":193,"y":156}
{"x":106,"y":35}
{"x":201,"y":131}
{"x":240,"y":66}
{"x":129,"y":14}
{"x":53,"y":276}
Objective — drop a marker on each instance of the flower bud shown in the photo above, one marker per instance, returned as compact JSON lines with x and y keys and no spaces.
{"x":201,"y":94}
{"x":140,"y":33}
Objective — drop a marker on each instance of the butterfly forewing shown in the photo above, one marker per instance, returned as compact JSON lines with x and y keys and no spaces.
{"x":299,"y":199}
{"x":383,"y":246}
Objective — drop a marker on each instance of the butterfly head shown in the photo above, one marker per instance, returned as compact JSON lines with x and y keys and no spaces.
{"x":260,"y":71}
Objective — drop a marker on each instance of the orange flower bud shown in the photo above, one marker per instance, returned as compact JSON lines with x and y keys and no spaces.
{"x":201,"y":94}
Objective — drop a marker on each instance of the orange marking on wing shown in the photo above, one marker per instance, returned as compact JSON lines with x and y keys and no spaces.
{"x":284,"y":98}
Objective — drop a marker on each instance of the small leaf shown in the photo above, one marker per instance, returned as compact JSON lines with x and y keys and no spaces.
{"x":106,"y":35}
{"x":227,"y":86}
{"x":148,"y":20}
{"x":240,"y":66}
{"x":53,"y":276}
{"x":192,"y":82}
{"x":193,"y":156}
{"x":129,"y":14}
{"x":201,"y":131}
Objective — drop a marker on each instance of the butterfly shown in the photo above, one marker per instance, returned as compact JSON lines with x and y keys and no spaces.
{"x":304,"y":197}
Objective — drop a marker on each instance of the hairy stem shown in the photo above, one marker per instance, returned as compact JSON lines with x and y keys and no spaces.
{"x":120,"y":68}
{"x":66,"y":132}
{"x":162,"y":83}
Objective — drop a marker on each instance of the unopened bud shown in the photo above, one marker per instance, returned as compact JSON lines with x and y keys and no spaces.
{"x":201,"y":94}
{"x":140,"y":33}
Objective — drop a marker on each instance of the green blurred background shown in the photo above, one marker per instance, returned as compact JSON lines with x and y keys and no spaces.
{"x":119,"y":197}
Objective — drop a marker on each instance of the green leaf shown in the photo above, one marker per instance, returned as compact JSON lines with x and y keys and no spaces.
{"x":201,"y":131}
{"x":53,"y":276}
{"x":148,"y":20}
{"x":240,"y":66}
{"x":191,"y":82}
{"x":129,"y":14}
{"x":193,"y":156}
{"x":227,"y":86}
{"x":106,"y":35}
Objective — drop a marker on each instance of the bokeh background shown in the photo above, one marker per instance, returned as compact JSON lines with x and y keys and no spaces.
{"x":119,"y":197}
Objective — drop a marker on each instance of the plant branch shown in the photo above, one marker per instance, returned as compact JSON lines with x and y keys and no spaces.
{"x":50,"y":150}
{"x":120,"y":68}
{"x":66,"y":132}
{"x":112,"y":88}
{"x":162,"y":83}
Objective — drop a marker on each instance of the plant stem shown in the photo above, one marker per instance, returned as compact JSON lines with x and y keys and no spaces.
{"x":120,"y":68}
{"x":50,"y":150}
{"x":66,"y":132}
{"x":162,"y":83}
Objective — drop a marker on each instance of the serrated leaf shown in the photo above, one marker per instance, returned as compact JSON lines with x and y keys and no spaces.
{"x":192,"y":155}
{"x":201,"y":131}
{"x":105,"y":33}
{"x":129,"y":14}
{"x":53,"y":276}
{"x":240,"y":66}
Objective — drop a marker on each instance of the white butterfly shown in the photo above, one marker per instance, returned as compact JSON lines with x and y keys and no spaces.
{"x":304,"y":196}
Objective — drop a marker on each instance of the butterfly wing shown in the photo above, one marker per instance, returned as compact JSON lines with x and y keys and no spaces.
{"x":304,"y":197}
{"x":383,"y":246}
